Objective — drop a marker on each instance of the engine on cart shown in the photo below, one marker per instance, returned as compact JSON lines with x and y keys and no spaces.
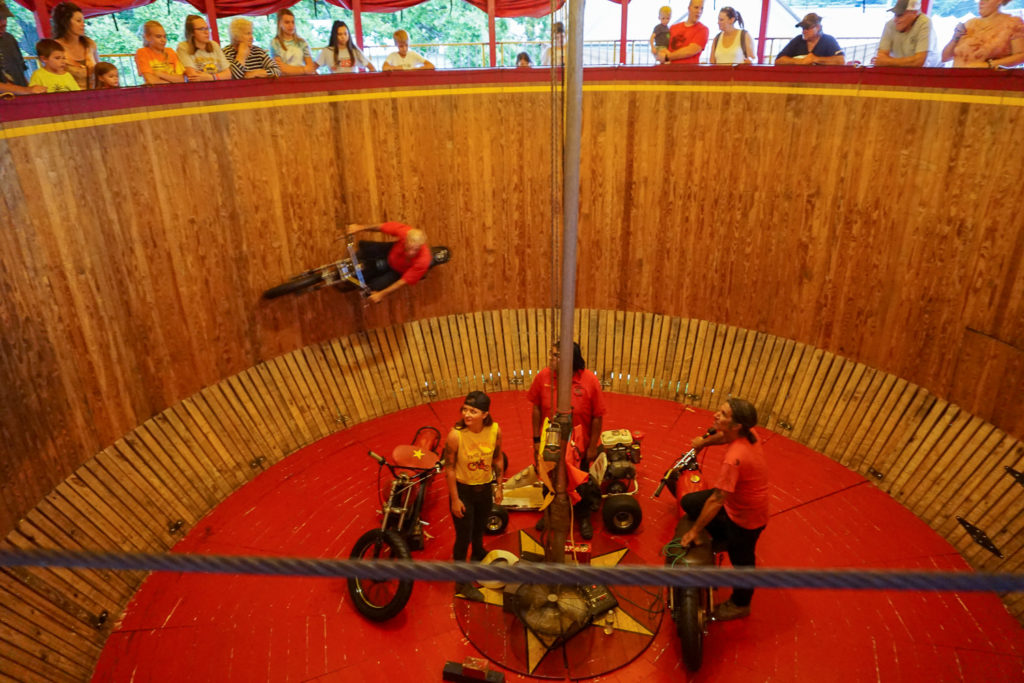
{"x":618,"y":456}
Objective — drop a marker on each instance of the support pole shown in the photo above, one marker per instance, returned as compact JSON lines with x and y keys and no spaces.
{"x":492,"y":33}
{"x":42,"y":15}
{"x":357,"y":19}
{"x":762,"y":32}
{"x":555,"y":548}
{"x":622,"y":36}
{"x":211,"y":19}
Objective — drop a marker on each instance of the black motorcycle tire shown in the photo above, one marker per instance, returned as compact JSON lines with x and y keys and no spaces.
{"x":690,"y":626}
{"x":380,"y":600}
{"x":296,"y":285}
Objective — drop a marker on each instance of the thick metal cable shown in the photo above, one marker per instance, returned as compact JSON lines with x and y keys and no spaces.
{"x":522,"y":572}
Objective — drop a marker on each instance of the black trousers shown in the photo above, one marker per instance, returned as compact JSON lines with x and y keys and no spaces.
{"x":741,"y":542}
{"x":376,"y":271}
{"x":470,"y":528}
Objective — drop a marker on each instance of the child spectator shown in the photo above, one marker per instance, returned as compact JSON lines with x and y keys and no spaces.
{"x":523,"y":61}
{"x":290,"y":52}
{"x":106,"y":76}
{"x":555,"y":56}
{"x":156,"y":62}
{"x":341,"y":54}
{"x":404,"y":58}
{"x":659,"y":39}
{"x":53,"y":75}
{"x":202,"y":58}
{"x":245,"y":59}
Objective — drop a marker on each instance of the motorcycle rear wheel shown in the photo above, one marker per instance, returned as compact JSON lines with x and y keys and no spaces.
{"x":690,"y":626}
{"x":297,"y":285}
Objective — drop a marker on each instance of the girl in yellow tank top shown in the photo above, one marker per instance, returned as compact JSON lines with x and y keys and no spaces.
{"x":473,"y":463}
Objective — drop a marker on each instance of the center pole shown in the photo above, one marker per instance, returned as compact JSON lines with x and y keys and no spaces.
{"x":555,"y":550}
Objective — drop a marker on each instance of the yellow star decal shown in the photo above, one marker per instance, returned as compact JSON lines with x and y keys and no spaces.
{"x":418,"y":454}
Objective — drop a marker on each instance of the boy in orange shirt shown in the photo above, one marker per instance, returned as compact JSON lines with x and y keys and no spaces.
{"x":156,"y":62}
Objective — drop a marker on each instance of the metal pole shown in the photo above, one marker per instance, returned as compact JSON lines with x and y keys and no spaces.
{"x":570,"y":195}
{"x":622,"y":37}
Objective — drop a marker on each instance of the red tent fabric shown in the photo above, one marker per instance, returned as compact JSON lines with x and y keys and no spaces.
{"x":90,"y":8}
{"x":381,"y":6}
{"x":518,"y":8}
{"x":232,"y":8}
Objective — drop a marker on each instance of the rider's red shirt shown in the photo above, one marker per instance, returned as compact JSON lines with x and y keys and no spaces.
{"x":744,"y":476}
{"x":412,"y":270}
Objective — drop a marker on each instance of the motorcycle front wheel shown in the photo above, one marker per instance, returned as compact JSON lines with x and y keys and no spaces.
{"x":297,"y":285}
{"x":380,"y":600}
{"x":690,"y":626}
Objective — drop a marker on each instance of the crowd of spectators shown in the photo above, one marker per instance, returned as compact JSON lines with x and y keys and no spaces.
{"x":70,"y":60}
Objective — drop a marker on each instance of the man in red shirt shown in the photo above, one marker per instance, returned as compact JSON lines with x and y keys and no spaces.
{"x":407,"y":260}
{"x":587,"y":418}
{"x":688,"y":38}
{"x":736,"y":510}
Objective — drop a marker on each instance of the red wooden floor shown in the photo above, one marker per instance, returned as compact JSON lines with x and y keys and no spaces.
{"x":317,"y":502}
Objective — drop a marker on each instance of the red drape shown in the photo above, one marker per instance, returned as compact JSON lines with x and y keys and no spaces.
{"x":518,"y":8}
{"x":90,"y":8}
{"x":382,"y":6}
{"x":231,"y":8}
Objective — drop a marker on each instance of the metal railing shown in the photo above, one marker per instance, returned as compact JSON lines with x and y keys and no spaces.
{"x":476,"y":55}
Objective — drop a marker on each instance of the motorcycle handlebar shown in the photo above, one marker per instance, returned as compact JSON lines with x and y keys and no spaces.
{"x":380,"y":460}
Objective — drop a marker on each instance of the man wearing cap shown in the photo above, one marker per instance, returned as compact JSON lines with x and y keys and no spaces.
{"x":12,"y":64}
{"x":811,"y":46}
{"x":736,"y":510}
{"x":908,"y":39}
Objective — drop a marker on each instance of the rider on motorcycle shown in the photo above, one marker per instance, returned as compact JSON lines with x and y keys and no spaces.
{"x":404,"y":262}
{"x":736,"y":510}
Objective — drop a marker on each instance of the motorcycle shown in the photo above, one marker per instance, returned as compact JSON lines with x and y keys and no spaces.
{"x":691,"y":608}
{"x":349,"y":273}
{"x":401,"y":529}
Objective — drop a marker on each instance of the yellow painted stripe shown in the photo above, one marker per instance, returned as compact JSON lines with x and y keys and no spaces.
{"x":1014,"y":100}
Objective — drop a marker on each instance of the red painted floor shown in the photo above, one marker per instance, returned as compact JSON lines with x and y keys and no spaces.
{"x":318,"y":501}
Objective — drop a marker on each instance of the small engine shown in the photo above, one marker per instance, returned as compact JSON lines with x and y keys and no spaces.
{"x":622,"y":453}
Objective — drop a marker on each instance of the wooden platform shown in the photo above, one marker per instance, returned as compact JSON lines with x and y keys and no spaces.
{"x":317,"y":502}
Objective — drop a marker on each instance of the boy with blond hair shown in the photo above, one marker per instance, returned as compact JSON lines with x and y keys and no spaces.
{"x":156,"y":62}
{"x":660,"y":36}
{"x":53,"y":75}
{"x":404,"y":58}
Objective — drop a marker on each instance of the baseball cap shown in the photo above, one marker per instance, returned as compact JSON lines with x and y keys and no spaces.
{"x":810,"y":20}
{"x":906,"y":6}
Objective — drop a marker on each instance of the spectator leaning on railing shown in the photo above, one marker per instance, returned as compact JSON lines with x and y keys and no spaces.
{"x":811,"y":46}
{"x":202,"y":58}
{"x":341,"y":54}
{"x":156,"y":62}
{"x":688,"y":38}
{"x":992,"y":40}
{"x":79,"y":50}
{"x":247,"y":60}
{"x":554,"y":55}
{"x":12,"y":63}
{"x":908,"y":38}
{"x":290,"y":52}
{"x":404,"y":58}
{"x":732,"y":45}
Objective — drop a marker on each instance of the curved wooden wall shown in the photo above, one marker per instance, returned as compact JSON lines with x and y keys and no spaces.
{"x":863,"y":216}
{"x":151,"y":486}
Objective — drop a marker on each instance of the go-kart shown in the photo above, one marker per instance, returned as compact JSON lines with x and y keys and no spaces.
{"x":412,"y":467}
{"x":613,"y":472}
{"x":691,"y":608}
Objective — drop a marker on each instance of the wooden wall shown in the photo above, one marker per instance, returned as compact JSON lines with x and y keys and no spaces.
{"x":149,"y":487}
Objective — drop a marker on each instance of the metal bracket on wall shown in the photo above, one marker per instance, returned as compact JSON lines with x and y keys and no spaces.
{"x":428,"y":392}
{"x":875,"y":473}
{"x":175,"y":527}
{"x":343,"y":419}
{"x":980,"y":537}
{"x":1017,"y":476}
{"x":785,"y":425}
{"x":101,"y":619}
{"x":605,"y":383}
{"x":691,"y":397}
{"x":517,"y":380}
{"x":258,"y":462}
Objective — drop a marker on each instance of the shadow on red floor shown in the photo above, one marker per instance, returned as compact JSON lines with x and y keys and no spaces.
{"x":316,"y":503}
